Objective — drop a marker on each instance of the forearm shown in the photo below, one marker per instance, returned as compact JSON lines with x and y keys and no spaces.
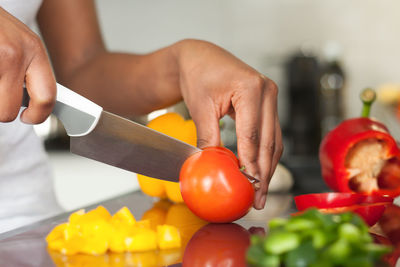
{"x":127,"y":84}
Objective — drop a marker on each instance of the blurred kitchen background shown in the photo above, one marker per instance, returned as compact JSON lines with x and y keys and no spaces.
{"x":320,"y":53}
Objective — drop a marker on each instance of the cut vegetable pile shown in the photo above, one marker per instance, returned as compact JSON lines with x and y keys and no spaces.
{"x":316,"y":239}
{"x":97,"y":232}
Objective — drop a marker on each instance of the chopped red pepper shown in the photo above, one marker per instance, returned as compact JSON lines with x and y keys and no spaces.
{"x":327,"y":200}
{"x":368,"y":207}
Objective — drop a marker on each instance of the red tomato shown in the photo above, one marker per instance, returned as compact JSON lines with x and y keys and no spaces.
{"x":217,"y":245}
{"x":213,"y":187}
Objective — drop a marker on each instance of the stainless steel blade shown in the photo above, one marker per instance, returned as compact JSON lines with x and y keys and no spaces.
{"x":128,"y":145}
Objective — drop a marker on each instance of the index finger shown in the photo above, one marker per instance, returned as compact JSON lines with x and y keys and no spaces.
{"x":267,"y":142}
{"x":41,"y":86}
{"x":247,"y":105}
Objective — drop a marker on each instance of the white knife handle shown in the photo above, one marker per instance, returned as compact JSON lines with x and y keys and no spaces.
{"x":78,"y":114}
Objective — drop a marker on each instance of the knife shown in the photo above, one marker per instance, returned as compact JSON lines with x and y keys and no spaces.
{"x":114,"y":140}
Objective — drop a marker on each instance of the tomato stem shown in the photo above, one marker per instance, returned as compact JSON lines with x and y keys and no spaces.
{"x":368,"y":97}
{"x":242,"y":168}
{"x":221,"y":124}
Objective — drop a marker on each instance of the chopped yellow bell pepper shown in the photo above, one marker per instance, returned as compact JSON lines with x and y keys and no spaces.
{"x":99,"y":213}
{"x":168,"y":237}
{"x":174,"y":125}
{"x":123,"y":218}
{"x":142,"y":239}
{"x":117,"y":242}
{"x":57,"y":232}
{"x":97,"y":235}
{"x":97,"y":232}
{"x":143,"y":224}
{"x":158,"y":213}
{"x":75,"y":216}
{"x":67,"y":247}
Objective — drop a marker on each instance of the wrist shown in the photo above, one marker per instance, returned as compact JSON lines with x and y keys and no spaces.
{"x":184,"y":49}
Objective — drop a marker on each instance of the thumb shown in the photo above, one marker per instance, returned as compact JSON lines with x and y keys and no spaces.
{"x":207,"y":126}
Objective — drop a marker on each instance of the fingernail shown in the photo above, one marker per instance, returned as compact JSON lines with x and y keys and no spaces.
{"x":262,"y":201}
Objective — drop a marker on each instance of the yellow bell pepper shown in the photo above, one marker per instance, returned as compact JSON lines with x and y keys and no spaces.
{"x":185,"y":221}
{"x":158,"y":213}
{"x":168,"y":237}
{"x":74,"y":217}
{"x":123,"y":218}
{"x":56,"y":233}
{"x":122,"y":222}
{"x":97,"y":235}
{"x":143,"y":224}
{"x":97,"y":232}
{"x":174,"y":125}
{"x":142,"y":239}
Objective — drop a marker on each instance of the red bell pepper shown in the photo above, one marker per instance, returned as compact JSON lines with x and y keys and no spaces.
{"x":368,"y":207}
{"x":360,"y":155}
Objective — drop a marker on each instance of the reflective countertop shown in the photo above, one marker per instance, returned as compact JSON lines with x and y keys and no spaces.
{"x":27,"y":246}
{"x":203,"y":244}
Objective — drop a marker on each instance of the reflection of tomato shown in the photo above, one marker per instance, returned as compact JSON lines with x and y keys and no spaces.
{"x":213,"y":186}
{"x":217,"y":245}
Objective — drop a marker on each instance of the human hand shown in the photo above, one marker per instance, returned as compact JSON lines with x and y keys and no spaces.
{"x":23,"y":58}
{"x":214,"y":83}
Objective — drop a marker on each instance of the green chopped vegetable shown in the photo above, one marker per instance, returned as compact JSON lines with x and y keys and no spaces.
{"x":276,"y":223}
{"x":281,"y":242}
{"x":349,"y":232}
{"x":316,"y":239}
{"x":301,"y":256}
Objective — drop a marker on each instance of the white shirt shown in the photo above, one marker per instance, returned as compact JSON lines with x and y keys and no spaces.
{"x":26,"y":186}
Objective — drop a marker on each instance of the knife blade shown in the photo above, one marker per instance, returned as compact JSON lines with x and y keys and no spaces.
{"x":133,"y":147}
{"x":117,"y":141}
{"x":111,"y":139}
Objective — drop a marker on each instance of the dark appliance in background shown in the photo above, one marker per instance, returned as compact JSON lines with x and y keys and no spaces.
{"x":303,"y":130}
{"x":332,"y":83}
{"x":314,"y":89}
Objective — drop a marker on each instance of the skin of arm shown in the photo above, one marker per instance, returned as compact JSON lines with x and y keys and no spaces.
{"x":210,"y":80}
{"x":126,"y":84}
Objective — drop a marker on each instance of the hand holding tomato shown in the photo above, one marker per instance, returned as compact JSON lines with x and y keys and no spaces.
{"x":213,"y":187}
